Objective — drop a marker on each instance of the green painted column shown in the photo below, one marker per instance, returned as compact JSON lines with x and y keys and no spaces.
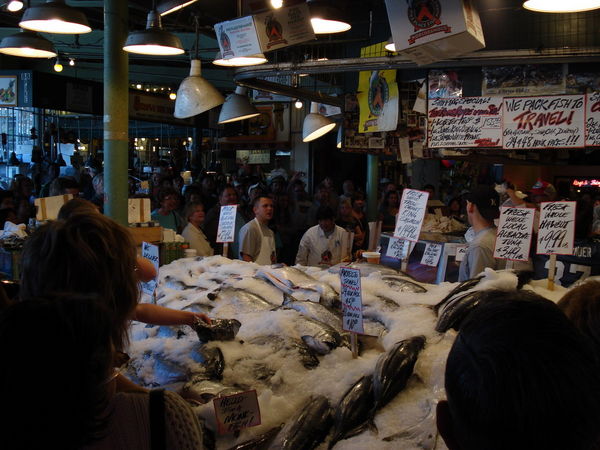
{"x":116,"y":110}
{"x":372,"y":183}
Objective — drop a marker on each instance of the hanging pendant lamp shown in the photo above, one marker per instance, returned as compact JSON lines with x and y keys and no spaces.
{"x":315,"y":125}
{"x":326,"y":19}
{"x":28,"y":45}
{"x":14,"y":5}
{"x":240,"y":61}
{"x":237,"y":107}
{"x":561,"y":6}
{"x":195,"y":94}
{"x":153,"y":40}
{"x":390,"y":46}
{"x":340,"y":137}
{"x":55,"y":16}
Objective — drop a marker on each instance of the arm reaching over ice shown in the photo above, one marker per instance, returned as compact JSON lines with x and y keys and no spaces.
{"x":159,"y":315}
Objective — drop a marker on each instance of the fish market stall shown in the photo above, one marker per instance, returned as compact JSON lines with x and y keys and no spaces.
{"x":277,"y":330}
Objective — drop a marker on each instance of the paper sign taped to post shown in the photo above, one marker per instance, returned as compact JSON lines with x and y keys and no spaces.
{"x":556,"y":233}
{"x":236,"y":412}
{"x":513,"y":239}
{"x":351,"y":295}
{"x":226,"y":231}
{"x":412,"y":211}
{"x":431,"y":254}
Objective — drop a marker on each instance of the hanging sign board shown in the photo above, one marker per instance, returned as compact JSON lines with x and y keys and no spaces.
{"x":464,"y":122}
{"x":226,"y":230}
{"x":412,"y":211}
{"x":431,"y":254}
{"x":556,"y":233}
{"x":151,"y":253}
{"x":284,"y":27}
{"x":592,"y":123}
{"x":351,"y":296}
{"x":378,"y":101}
{"x":434,"y":30}
{"x":236,"y":412}
{"x":237,"y":38}
{"x":513,"y":239}
{"x":544,"y":122}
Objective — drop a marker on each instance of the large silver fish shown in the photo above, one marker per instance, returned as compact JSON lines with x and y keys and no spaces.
{"x":402,"y":284}
{"x":366,"y":269}
{"x":288,"y":345}
{"x":462,"y":287}
{"x":319,"y":336}
{"x":261,"y":442}
{"x":307,"y":428}
{"x":243,"y":301}
{"x":316,"y":311}
{"x":203,"y":391}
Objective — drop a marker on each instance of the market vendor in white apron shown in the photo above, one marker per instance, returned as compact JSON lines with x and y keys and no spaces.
{"x":256,"y":239}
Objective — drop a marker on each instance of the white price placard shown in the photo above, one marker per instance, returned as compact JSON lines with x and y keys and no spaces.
{"x":461,"y":251}
{"x":351,"y":295}
{"x":412,"y":211}
{"x":556,"y":233}
{"x":397,"y":248}
{"x":431,"y":254}
{"x":236,"y":412}
{"x":513,"y":239}
{"x":226,"y":230}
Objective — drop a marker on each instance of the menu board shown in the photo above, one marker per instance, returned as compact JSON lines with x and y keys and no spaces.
{"x":592,"y":122}
{"x":410,"y":218}
{"x":544,"y":122}
{"x":513,"y":239}
{"x":556,"y":233}
{"x":464,"y":122}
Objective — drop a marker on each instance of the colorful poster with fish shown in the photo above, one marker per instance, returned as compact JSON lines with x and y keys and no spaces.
{"x":226,"y":230}
{"x":513,"y":239}
{"x":236,"y":412}
{"x":378,"y":101}
{"x":8,"y":90}
{"x":351,"y":296}
{"x":412,"y":211}
{"x":556,"y":233}
{"x":464,"y":122}
{"x":556,"y":121}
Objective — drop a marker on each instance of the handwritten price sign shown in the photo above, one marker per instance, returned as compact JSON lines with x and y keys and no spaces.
{"x":150,"y":252}
{"x":351,"y":295}
{"x":397,"y":248}
{"x":235,"y":412}
{"x":461,"y":251}
{"x":513,"y":240}
{"x":410,"y":217}
{"x":431,"y":255}
{"x":226,"y":231}
{"x":556,"y":234}
{"x":592,"y":123}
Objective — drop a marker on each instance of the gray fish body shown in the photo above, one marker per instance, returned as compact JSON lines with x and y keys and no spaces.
{"x":218,"y":330}
{"x":319,"y":336}
{"x":307,"y":428}
{"x":244,"y":301}
{"x":456,"y":310}
{"x":259,"y":443}
{"x":296,"y":278}
{"x":400,"y":284}
{"x":462,"y":287}
{"x":288,"y":344}
{"x":204,"y":391}
{"x":316,"y":311}
{"x":366,"y":269}
{"x":393,"y":369}
{"x":352,"y":413}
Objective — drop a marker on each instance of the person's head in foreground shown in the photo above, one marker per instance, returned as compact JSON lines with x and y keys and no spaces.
{"x":55,"y":379}
{"x":520,"y":376}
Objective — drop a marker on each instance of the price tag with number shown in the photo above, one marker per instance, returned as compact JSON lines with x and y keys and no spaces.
{"x":235,"y":412}
{"x":351,"y":296}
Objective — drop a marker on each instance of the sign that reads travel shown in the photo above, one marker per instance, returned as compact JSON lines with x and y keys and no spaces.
{"x":513,"y":239}
{"x":556,"y":233}
{"x":351,"y":296}
{"x":283,"y":27}
{"x":431,"y":254}
{"x":592,"y":122}
{"x":465,"y":122}
{"x":150,"y":252}
{"x":236,"y":412}
{"x":237,"y":38}
{"x":544,"y":122}
{"x":410,"y":217}
{"x":226,"y":231}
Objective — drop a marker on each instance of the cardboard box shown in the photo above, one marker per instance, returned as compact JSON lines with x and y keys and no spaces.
{"x":431,"y":31}
{"x":146,"y":234}
{"x":48,"y":207}
{"x":138,"y":210}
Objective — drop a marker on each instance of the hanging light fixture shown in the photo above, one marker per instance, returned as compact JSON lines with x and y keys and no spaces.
{"x":14,"y":5}
{"x":153,"y":40}
{"x":71,"y":62}
{"x":326,"y":19}
{"x":170,"y":6}
{"x":390,"y":46}
{"x":237,"y":107}
{"x":340,"y":137}
{"x":561,"y":6}
{"x":240,"y":61}
{"x":315,"y":124}
{"x":195,"y":94}
{"x":58,"y":67}
{"x":276,"y":3}
{"x":28,"y":45}
{"x":298,"y":104}
{"x":55,"y":16}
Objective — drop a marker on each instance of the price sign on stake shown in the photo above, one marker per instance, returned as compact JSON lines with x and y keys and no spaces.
{"x":431,"y":255}
{"x":351,"y":300}
{"x":513,"y":240}
{"x":556,"y":234}
{"x":235,"y":412}
{"x":461,"y":251}
{"x":397,"y":248}
{"x":226,"y":231}
{"x":150,"y":252}
{"x":410,"y":217}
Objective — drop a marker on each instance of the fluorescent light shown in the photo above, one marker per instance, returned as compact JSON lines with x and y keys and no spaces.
{"x":28,"y":45}
{"x":55,"y":16}
{"x":237,"y":107}
{"x":170,"y":6}
{"x":340,"y":137}
{"x":240,"y":61}
{"x":153,"y":40}
{"x":315,"y":125}
{"x":561,"y":6}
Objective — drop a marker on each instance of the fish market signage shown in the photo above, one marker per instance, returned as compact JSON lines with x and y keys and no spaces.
{"x":592,"y":123}
{"x":431,"y":254}
{"x":226,"y":231}
{"x":151,"y":253}
{"x":513,"y":240}
{"x":351,"y":295}
{"x":235,"y":412}
{"x":556,"y":234}
{"x":412,"y":212}
{"x":465,"y":122}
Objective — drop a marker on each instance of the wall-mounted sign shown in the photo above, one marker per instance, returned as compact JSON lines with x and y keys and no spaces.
{"x":252,"y":156}
{"x":378,"y":100}
{"x":153,"y":107}
{"x":586,"y":183}
{"x":8,"y":90}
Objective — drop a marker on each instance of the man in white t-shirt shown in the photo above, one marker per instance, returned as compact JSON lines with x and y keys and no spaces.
{"x":325,"y":243}
{"x":257,"y":240}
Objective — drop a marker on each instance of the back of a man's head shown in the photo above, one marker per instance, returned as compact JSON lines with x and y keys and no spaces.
{"x":521,"y":376}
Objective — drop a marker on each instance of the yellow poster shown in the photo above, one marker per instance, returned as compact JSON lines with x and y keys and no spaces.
{"x":378,"y":101}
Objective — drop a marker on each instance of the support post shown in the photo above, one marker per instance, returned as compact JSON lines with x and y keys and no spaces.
{"x":372,"y":184}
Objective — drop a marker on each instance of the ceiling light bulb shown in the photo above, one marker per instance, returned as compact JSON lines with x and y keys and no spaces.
{"x":58,"y":66}
{"x":325,"y":26}
{"x":276,"y":3}
{"x":55,"y":16}
{"x":240,"y":61}
{"x":153,"y":40}
{"x":14,"y":5}
{"x":138,"y":86}
{"x":298,"y":104}
{"x":561,"y":6}
{"x":71,"y":62}
{"x":172,"y":95}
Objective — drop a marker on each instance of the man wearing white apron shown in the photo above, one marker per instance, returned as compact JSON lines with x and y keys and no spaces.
{"x":257,"y":240}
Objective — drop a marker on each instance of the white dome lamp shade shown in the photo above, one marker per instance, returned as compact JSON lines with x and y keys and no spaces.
{"x":55,"y":16}
{"x":315,"y":124}
{"x":240,"y":61}
{"x":340,"y":137}
{"x":153,"y":40}
{"x":237,"y":107}
{"x":390,"y":46}
{"x":27,"y":44}
{"x":195,"y":94}
{"x":561,"y":6}
{"x":326,"y":19}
